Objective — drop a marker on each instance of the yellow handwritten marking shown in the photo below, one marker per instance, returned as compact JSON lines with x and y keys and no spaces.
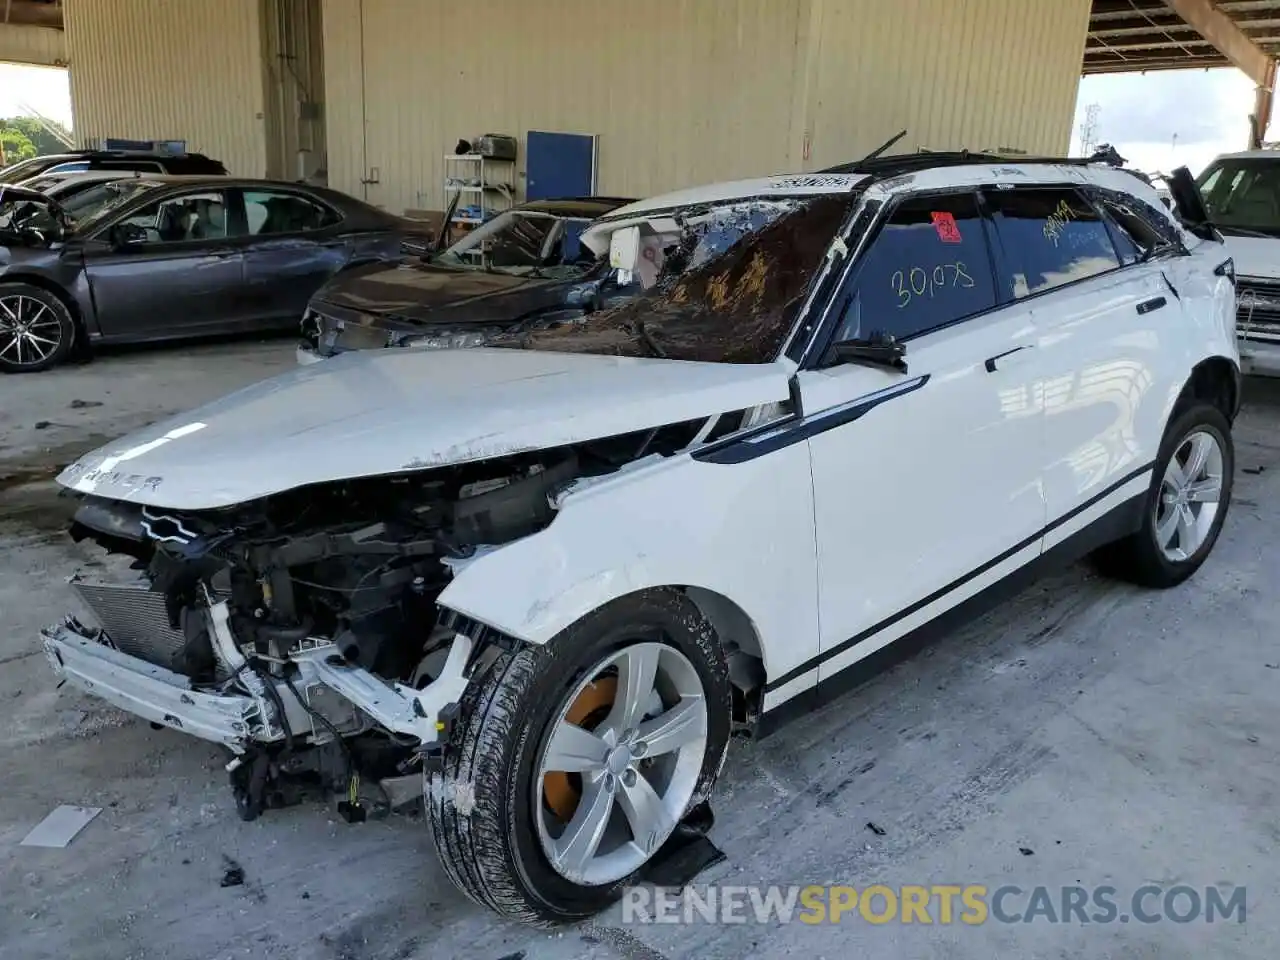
{"x":1057,"y":221}
{"x":917,"y":281}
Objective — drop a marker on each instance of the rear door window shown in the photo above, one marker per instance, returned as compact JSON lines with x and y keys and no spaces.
{"x":1048,"y":237}
{"x":928,"y":267}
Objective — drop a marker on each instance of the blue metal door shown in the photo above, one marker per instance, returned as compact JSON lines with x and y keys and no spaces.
{"x":559,"y":165}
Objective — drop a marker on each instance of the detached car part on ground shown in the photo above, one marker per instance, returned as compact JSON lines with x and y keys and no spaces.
{"x":554,"y":574}
{"x":146,"y":259}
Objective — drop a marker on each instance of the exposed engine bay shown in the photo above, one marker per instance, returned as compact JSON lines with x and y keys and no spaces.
{"x":301,"y":630}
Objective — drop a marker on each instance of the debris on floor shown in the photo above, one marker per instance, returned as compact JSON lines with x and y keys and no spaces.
{"x":78,"y":404}
{"x":875,"y":828}
{"x":233,"y":875}
{"x":60,"y":827}
{"x":1026,"y":851}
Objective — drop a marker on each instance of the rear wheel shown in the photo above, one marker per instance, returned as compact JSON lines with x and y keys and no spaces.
{"x":572,"y":764}
{"x":1186,"y":505}
{"x":36,"y":328}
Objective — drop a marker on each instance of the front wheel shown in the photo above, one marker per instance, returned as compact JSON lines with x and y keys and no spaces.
{"x":36,"y":328}
{"x":1185,"y":506}
{"x":573,"y":763}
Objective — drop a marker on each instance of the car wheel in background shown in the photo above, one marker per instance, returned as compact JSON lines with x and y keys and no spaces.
{"x":571,"y":764}
{"x":1185,"y":507}
{"x":37,"y":330}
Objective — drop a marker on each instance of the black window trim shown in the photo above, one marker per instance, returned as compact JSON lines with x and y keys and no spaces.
{"x":339,"y":221}
{"x":811,"y":319}
{"x":820,"y":343}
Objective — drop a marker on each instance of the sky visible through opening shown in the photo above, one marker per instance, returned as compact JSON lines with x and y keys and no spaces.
{"x":1157,"y":121}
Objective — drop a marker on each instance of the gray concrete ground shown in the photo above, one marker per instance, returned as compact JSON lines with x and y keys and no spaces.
{"x":1087,"y":733}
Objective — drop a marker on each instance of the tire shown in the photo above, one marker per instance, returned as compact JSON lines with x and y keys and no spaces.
{"x":37,"y":330}
{"x":1140,"y":558}
{"x":482,"y":804}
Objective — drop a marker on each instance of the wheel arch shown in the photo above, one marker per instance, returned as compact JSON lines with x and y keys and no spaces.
{"x":1215,"y":380}
{"x":56,"y":289}
{"x":735,"y":630}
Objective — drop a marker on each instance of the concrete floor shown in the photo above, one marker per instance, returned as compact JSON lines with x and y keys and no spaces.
{"x":1122,"y":737}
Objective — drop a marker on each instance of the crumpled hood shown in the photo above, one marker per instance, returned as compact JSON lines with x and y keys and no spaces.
{"x":368,"y":413}
{"x":423,"y":292}
{"x":1254,"y":256}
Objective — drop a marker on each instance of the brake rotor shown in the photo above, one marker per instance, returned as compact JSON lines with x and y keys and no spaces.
{"x":563,"y":791}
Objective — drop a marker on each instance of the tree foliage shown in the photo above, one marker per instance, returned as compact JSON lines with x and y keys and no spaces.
{"x":23,"y":137}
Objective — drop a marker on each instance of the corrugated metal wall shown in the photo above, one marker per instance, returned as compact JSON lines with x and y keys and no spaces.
{"x":156,"y":69}
{"x":679,"y":91}
{"x":686,"y":91}
{"x":982,"y":74}
{"x":39,"y":45}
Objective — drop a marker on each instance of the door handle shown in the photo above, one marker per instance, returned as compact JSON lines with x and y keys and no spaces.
{"x":1147,"y":306}
{"x":992,"y":363}
{"x":224,"y":253}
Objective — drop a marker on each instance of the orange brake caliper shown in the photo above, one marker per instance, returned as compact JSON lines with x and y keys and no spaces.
{"x":562,"y":791}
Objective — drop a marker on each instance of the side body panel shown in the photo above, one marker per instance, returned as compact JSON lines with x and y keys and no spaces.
{"x":927,"y":488}
{"x":742,"y":530}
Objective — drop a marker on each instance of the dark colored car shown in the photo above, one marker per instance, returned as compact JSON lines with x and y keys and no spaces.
{"x":172,"y":257}
{"x":526,"y":265}
{"x":81,"y":161}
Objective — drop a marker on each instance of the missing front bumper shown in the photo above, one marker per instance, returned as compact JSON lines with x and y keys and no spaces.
{"x":82,"y":657}
{"x":148,"y":691}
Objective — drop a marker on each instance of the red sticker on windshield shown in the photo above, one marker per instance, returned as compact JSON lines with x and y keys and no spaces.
{"x":945,"y":224}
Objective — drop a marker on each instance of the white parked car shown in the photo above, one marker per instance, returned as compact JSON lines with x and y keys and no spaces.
{"x":555,"y":572}
{"x":1242,"y":193}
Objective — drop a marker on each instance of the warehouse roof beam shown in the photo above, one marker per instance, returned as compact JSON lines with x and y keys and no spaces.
{"x":1130,"y":35}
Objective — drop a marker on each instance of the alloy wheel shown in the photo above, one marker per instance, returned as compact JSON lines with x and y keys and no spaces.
{"x":621,"y":763}
{"x":1190,"y":496}
{"x":30,"y":330}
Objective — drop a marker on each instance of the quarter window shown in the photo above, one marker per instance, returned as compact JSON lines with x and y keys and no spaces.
{"x":928,"y":267}
{"x":269,"y":212}
{"x":1135,"y":234}
{"x":1049,"y":238}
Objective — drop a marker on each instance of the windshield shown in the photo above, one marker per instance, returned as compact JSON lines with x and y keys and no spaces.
{"x":524,"y":243}
{"x":1243,"y":194}
{"x":88,"y":208}
{"x":725,"y":284}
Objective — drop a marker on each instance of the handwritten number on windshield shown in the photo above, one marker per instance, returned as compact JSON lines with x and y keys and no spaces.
{"x":917,"y":281}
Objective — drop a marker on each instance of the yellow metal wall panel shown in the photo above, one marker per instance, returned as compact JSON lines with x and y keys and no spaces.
{"x":42,"y":46}
{"x":160,"y":69}
{"x":679,"y":91}
{"x":981,"y":74}
{"x":686,"y":91}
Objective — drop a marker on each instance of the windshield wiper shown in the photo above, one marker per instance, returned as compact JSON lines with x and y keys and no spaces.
{"x":879,"y":350}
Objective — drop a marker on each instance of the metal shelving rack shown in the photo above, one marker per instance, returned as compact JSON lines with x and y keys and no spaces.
{"x":491,"y":182}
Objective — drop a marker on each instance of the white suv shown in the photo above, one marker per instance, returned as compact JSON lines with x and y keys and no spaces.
{"x":1242,"y":193}
{"x":554,"y":573}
